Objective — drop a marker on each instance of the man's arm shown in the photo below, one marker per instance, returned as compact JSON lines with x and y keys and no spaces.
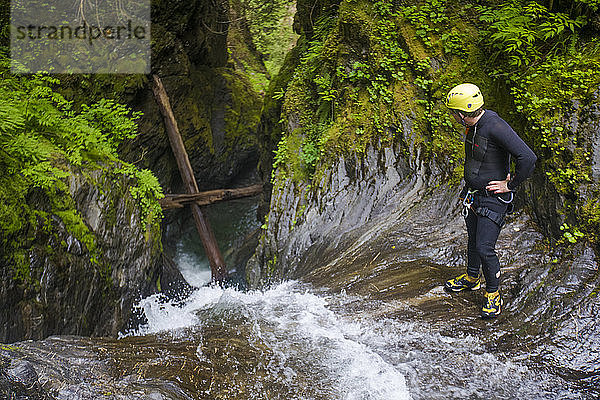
{"x":524,"y":157}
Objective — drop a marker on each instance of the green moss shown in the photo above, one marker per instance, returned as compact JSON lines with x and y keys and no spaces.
{"x":245,"y":58}
{"x":192,"y":108}
{"x":361,"y":75}
{"x":63,"y":206}
{"x":544,"y":97}
{"x":12,"y":205}
{"x":87,"y":89}
{"x":243,"y":115}
{"x":271,"y":267}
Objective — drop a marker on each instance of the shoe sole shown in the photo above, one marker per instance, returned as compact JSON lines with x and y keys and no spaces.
{"x":489,"y":316}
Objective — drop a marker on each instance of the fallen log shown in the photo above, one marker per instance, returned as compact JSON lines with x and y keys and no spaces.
{"x":209,"y":197}
{"x":215,"y":258}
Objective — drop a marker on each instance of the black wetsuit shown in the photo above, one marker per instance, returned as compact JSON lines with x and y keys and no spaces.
{"x":489,"y":145}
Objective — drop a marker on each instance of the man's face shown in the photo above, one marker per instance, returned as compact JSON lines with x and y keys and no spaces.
{"x":457,"y":116}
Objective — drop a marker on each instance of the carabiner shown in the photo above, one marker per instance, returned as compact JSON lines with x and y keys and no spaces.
{"x":512,"y":196}
{"x":468,"y":202}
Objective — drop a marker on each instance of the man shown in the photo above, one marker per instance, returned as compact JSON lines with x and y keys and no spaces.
{"x":489,"y":145}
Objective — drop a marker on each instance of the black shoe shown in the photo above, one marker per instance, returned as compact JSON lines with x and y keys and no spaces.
{"x":461,"y":283}
{"x":492,"y":306}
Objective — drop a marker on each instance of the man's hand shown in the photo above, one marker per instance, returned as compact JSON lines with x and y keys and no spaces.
{"x":498,"y":186}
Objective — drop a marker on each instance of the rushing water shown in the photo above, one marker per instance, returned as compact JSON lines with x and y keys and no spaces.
{"x":231,"y":221}
{"x":329,"y":337}
{"x":298,"y":341}
{"x":308,"y":344}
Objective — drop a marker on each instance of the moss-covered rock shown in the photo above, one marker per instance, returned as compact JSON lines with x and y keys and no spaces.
{"x":363,"y":70}
{"x":367,"y":151}
{"x":88,"y":258}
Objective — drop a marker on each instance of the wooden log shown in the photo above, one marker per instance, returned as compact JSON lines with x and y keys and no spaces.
{"x":215,"y":258}
{"x":209,"y":197}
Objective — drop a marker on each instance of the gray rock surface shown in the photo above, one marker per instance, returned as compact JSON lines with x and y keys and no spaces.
{"x":81,"y":290}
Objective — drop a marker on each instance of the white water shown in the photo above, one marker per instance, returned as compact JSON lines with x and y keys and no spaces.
{"x":195,"y":269}
{"x":347,"y":352}
{"x":302,"y":332}
{"x":341,"y":346}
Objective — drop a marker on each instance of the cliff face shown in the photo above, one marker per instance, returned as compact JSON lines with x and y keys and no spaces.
{"x":367,"y":166}
{"x":216,"y":108}
{"x":84,"y":283}
{"x":350,"y":121}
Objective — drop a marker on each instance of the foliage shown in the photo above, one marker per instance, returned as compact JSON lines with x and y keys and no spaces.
{"x":526,"y":33}
{"x":297,"y":156}
{"x":429,"y":17}
{"x":375,"y":61}
{"x":270,"y":26}
{"x":43,"y":139}
{"x":435,"y":27}
{"x":145,"y":191}
{"x":548,"y":68}
{"x":346,"y":99}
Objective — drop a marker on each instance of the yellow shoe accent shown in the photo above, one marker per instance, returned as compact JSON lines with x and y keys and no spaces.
{"x":492,"y":306}
{"x":461,"y":283}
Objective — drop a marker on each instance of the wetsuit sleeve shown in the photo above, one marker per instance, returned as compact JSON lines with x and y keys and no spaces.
{"x":525,"y":158}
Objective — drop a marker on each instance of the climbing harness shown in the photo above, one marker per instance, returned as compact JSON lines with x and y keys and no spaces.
{"x":496,"y":217}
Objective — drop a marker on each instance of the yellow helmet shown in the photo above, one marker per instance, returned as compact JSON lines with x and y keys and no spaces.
{"x":464,"y":97}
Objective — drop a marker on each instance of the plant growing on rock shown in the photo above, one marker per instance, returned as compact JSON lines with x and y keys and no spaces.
{"x":44,"y":140}
{"x":551,"y":70}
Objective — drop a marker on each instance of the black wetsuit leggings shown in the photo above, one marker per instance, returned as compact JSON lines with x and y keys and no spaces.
{"x":483,"y":234}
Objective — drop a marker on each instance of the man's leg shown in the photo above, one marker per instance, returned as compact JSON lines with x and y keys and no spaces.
{"x":470,"y":280}
{"x":487,"y":235}
{"x":485,"y":245}
{"x":473,"y":258}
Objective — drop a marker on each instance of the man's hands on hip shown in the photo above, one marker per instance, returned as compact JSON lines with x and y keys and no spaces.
{"x":498,"y":186}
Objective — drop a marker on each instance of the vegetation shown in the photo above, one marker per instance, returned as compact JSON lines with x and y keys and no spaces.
{"x":269,"y":37}
{"x":550,"y":64}
{"x":270,"y":25}
{"x":368,"y":65}
{"x":359,"y":73}
{"x":44,"y":140}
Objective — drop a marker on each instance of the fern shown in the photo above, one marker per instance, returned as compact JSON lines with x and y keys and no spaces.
{"x":43,"y":138}
{"x":10,"y":120}
{"x":526,"y":32}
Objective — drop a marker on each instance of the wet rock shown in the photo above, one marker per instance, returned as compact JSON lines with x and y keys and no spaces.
{"x":85,"y":288}
{"x":307,"y":227}
{"x":18,"y":377}
{"x":22,"y":372}
{"x":383,"y":228}
{"x":217,"y":112}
